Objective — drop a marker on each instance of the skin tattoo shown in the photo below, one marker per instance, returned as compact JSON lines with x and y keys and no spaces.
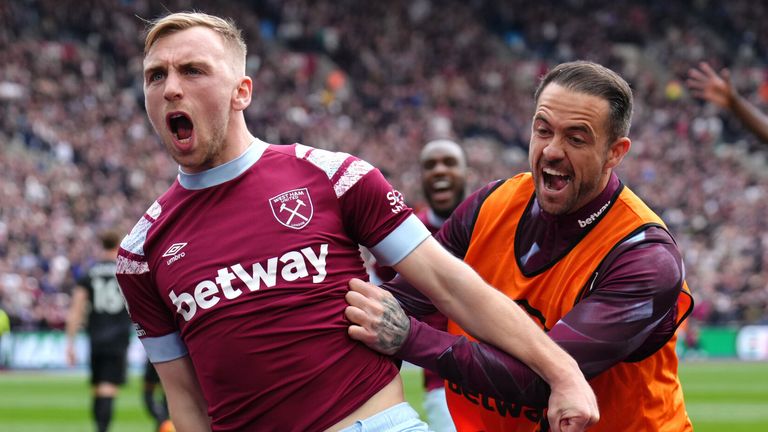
{"x":395,"y":326}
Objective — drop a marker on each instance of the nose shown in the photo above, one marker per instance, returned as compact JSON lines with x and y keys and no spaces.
{"x":554,"y":149}
{"x":172,"y":90}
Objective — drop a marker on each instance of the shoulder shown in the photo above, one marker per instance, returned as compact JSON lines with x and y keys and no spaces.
{"x":646,"y":260}
{"x":343,"y":170}
{"x":330,"y":162}
{"x":132,"y":256}
{"x":471,"y":205}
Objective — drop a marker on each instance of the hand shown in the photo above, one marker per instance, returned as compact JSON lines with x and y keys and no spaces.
{"x":71,"y":354}
{"x":377,"y":319}
{"x":572,"y":406}
{"x":706,"y":84}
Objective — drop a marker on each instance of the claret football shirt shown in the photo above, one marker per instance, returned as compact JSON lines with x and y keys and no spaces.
{"x":245,"y":266}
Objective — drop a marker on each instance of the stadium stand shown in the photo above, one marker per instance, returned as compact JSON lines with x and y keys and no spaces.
{"x":374,"y":79}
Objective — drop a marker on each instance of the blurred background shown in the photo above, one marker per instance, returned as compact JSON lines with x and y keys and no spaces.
{"x":377,"y":79}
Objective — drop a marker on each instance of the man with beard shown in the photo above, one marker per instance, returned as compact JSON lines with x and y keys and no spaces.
{"x":236,"y":276}
{"x":443,"y":181}
{"x":579,"y":251}
{"x":443,"y":166}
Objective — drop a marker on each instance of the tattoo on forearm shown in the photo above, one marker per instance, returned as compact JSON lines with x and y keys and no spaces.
{"x":394,"y":326}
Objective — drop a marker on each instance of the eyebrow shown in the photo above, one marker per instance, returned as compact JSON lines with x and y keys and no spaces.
{"x":577,"y":128}
{"x":200,"y":64}
{"x":153,"y":69}
{"x":580,"y":128}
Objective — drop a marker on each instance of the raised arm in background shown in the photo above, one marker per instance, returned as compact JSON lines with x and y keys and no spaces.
{"x":705,"y":83}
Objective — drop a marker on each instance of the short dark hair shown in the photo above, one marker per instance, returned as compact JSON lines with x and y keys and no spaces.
{"x":109,"y":239}
{"x":596,"y":80}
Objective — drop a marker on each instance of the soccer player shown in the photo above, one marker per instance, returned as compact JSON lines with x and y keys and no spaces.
{"x":5,"y":328}
{"x":236,"y":276}
{"x":443,"y":180}
{"x":154,"y":398}
{"x":584,"y":256}
{"x":707,"y":84}
{"x":109,"y":329}
{"x":443,"y":167}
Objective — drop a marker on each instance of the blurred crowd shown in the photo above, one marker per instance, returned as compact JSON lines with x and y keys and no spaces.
{"x":377,"y":79}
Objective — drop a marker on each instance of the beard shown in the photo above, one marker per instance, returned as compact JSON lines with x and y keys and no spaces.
{"x":207,"y":153}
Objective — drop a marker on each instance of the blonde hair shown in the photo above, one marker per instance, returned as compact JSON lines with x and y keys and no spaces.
{"x":175,"y":22}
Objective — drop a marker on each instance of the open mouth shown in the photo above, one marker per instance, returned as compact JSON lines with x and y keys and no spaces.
{"x":441,"y":189}
{"x":180,"y":125}
{"x":555,"y":180}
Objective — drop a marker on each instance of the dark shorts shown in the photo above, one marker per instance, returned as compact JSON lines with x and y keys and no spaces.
{"x":109,"y":368}
{"x":150,"y":374}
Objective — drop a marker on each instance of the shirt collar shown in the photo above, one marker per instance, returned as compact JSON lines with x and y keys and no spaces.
{"x":224,"y":172}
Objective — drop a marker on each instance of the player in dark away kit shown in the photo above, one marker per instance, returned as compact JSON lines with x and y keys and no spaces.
{"x":108,"y":327}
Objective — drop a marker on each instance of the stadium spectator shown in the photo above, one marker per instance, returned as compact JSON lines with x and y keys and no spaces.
{"x":108,"y":326}
{"x":710,"y":86}
{"x":252,"y":347}
{"x":587,"y":259}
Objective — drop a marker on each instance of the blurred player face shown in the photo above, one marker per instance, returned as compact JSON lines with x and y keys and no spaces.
{"x":443,"y":172}
{"x":570,"y":156}
{"x":191,"y":91}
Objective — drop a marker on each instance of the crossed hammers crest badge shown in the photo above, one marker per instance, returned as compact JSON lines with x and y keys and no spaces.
{"x":292,"y":208}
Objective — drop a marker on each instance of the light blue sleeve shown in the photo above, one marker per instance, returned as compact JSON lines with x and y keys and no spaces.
{"x":164,"y":348}
{"x":400,"y":242}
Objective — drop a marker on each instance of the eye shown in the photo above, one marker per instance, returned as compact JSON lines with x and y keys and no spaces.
{"x":541,"y":131}
{"x":450,"y":162}
{"x":155,"y":76}
{"x":192,"y":70}
{"x":576,"y":140}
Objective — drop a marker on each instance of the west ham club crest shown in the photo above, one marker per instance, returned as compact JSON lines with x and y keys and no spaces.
{"x":292,"y":208}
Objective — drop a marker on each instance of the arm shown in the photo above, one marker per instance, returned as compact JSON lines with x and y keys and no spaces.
{"x":75,"y":320}
{"x":186,"y":404}
{"x":454,"y":236}
{"x":596,"y":346}
{"x":706,"y":84}
{"x":460,"y":293}
{"x":383,"y":325}
{"x":162,"y":342}
{"x":463,"y":296}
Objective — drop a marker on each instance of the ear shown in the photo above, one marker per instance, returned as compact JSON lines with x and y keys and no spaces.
{"x":241,"y":97}
{"x":616,"y":152}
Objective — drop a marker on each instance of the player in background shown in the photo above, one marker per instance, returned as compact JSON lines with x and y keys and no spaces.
{"x":708,"y":85}
{"x":585,"y":257}
{"x":443,"y":166}
{"x":236,"y":276}
{"x":154,"y":400}
{"x":5,"y":328}
{"x":443,"y":181}
{"x":108,"y":327}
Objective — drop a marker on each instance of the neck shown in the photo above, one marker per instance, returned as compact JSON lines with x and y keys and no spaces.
{"x":238,"y":138}
{"x":544,"y":236}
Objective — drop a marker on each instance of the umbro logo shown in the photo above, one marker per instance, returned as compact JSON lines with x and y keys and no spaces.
{"x":174,"y":249}
{"x":173,"y":252}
